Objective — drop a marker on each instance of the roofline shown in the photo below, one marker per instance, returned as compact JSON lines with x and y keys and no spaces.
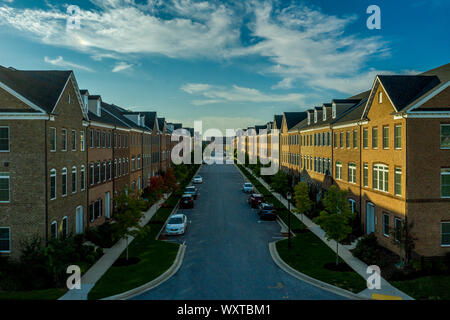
{"x":428,"y":96}
{"x":22,"y":98}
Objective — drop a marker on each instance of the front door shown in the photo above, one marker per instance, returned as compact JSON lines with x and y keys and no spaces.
{"x":370,"y":218}
{"x":79,"y":220}
{"x":107,"y":205}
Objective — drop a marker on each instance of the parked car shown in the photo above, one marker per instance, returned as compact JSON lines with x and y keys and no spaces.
{"x":247,"y":187}
{"x":187,"y":201}
{"x":267,"y":211}
{"x":198,"y":179}
{"x":177,"y":224}
{"x":191,"y":190}
{"x":255,"y":200}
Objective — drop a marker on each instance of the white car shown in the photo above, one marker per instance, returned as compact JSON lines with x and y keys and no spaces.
{"x":177,"y":224}
{"x":247,"y":187}
{"x":198,"y":179}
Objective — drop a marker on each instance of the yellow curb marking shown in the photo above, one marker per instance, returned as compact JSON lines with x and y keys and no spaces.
{"x":377,"y":296}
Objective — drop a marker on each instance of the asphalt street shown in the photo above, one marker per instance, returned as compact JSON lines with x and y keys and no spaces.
{"x":227,"y":255}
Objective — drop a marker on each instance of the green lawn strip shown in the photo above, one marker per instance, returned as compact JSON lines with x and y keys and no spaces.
{"x":309,"y":256}
{"x":155,"y":256}
{"x":426,"y":288}
{"x":46,"y":294}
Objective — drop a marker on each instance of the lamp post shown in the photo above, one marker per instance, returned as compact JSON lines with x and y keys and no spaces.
{"x":288,"y":197}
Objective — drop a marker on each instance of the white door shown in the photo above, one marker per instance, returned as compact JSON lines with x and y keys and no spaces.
{"x":107,"y":205}
{"x":79,"y":220}
{"x":370,"y":218}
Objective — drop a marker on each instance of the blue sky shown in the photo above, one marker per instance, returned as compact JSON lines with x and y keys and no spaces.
{"x":231,"y":64}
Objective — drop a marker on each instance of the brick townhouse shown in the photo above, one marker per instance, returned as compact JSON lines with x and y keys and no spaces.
{"x":390,"y":148}
{"x":163,"y":144}
{"x":43,"y":188}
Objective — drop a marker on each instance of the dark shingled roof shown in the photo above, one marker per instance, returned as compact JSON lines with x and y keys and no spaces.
{"x":292,"y":118}
{"x":43,"y":88}
{"x":352,"y":114}
{"x":161,"y":122}
{"x":260,"y":127}
{"x":278,"y":119}
{"x":117,"y":113}
{"x":405,"y":89}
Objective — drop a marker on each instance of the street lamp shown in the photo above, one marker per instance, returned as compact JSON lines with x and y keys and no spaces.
{"x":288,"y":197}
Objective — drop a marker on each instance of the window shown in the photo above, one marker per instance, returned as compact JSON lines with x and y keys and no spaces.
{"x":74,"y":140}
{"x":5,"y":239}
{"x":366,"y":175}
{"x":445,"y":234}
{"x":445,"y":183}
{"x":82,"y":141}
{"x":374,"y":137}
{"x":82,"y":178}
{"x":4,"y":139}
{"x":103,"y":139}
{"x":335,"y":140}
{"x":120,"y":167}
{"x":98,"y":209}
{"x":4,"y":187}
{"x":110,"y":170}
{"x":381,"y":177}
{"x":386,"y":225}
{"x":91,"y":138}
{"x":398,"y":181}
{"x":97,"y":173}
{"x":380,"y":97}
{"x":97,"y":135}
{"x":115,"y":168}
{"x":65,"y":228}
{"x":347,"y":139}
{"x":91,"y":174}
{"x":64,"y":182}
{"x":341,"y":139}
{"x":445,"y":136}
{"x":338,"y":170}
{"x":52,"y":184}
{"x":133,"y":164}
{"x":398,"y":137}
{"x":104,"y":172}
{"x":74,"y":179}
{"x":92,"y":212}
{"x":64,"y":140}
{"x":139,"y":162}
{"x":365,"y":138}
{"x":398,"y":229}
{"x":54,"y":230}
{"x":352,"y":205}
{"x":355,"y":139}
{"x":52,"y":139}
{"x":352,"y":173}
{"x":385,"y":137}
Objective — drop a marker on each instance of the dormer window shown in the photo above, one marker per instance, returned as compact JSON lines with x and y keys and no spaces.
{"x":309,"y":118}
{"x":315,"y":116}
{"x":99,"y":109}
{"x":380,"y":97}
{"x":324,"y":111}
{"x":333,"y":111}
{"x":86,"y":101}
{"x":68,"y":99}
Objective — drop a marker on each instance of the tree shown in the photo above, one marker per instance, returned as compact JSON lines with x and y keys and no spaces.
{"x":336,"y":227}
{"x":170,"y":181}
{"x":280,"y":183}
{"x":403,"y":237}
{"x":302,"y":201}
{"x":156,"y":189}
{"x":180,"y":171}
{"x":336,"y":218}
{"x":129,"y":213}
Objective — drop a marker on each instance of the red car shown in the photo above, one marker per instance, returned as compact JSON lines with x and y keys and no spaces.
{"x":255,"y":200}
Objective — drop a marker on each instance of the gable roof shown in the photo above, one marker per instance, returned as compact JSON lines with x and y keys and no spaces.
{"x":278,"y":120}
{"x":161,"y":122}
{"x":42,"y":88}
{"x":292,"y":118}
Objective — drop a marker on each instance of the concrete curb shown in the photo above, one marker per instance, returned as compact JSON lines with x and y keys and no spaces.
{"x":155,"y":282}
{"x":303,"y":277}
{"x":165,"y":223}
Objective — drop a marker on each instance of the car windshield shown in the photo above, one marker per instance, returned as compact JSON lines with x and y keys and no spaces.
{"x":248,"y":185}
{"x":186,"y":196}
{"x":190,"y":189}
{"x":267,"y":207}
{"x":197,"y":177}
{"x":258,"y":196}
{"x":175,"y":220}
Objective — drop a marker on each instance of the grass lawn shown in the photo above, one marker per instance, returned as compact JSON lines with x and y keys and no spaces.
{"x":426,"y":288}
{"x":47,"y":294}
{"x":309,"y":255}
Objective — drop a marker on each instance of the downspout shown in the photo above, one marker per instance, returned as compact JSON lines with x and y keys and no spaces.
{"x":361,"y":170}
{"x":86,"y":181}
{"x":46,"y":179}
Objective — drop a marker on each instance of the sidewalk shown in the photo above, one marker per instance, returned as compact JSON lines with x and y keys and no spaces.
{"x":94,"y":274}
{"x":356,"y":264}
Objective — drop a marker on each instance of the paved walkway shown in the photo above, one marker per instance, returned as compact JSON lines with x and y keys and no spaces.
{"x":356,"y":264}
{"x":94,"y":274}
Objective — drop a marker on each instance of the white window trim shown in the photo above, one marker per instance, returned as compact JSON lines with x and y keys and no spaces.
{"x":9,"y":139}
{"x":382,"y":168}
{"x":83,"y":173}
{"x":67,"y":225}
{"x":398,"y":170}
{"x":380,"y":97}
{"x":53,"y":173}
{"x":352,"y":207}
{"x":74,"y":170}
{"x":352,"y":166}
{"x":82,"y":140}
{"x":62,"y":174}
{"x":9,"y":239}
{"x":56,"y":229}
{"x":339,"y":169}
{"x":395,"y":226}
{"x":74,"y":139}
{"x":444,"y":245}
{"x":395,"y":137}
{"x":9,"y":186}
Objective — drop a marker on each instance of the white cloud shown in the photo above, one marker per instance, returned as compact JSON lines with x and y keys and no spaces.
{"x":302,"y":45}
{"x":60,"y":62}
{"x":121,"y":66}
{"x":237,"y":94}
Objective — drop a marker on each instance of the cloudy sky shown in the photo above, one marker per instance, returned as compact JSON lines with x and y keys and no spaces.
{"x":229,"y":63}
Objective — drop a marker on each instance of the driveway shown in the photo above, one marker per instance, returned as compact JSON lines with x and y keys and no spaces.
{"x":227,"y":255}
